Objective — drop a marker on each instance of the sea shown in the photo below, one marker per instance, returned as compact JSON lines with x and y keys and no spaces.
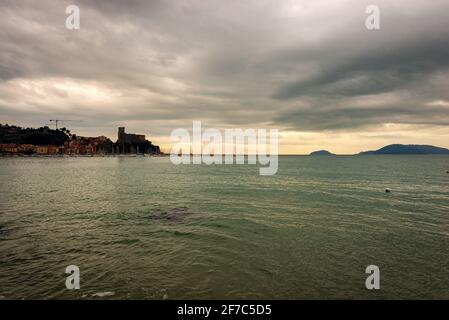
{"x":143,"y":228}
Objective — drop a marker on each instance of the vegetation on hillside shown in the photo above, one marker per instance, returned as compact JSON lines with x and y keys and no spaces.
{"x":39,"y":136}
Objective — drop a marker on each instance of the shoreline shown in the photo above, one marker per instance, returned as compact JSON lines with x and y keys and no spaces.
{"x":163,"y":155}
{"x":83,"y":155}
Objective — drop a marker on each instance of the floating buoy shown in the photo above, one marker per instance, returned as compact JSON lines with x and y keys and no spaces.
{"x":387,"y":190}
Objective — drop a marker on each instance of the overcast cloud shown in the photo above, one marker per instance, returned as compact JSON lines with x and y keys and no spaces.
{"x":309,"y":68}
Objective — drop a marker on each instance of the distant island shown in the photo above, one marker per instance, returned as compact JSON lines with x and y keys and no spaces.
{"x":411,"y":149}
{"x":407,"y":149}
{"x":322,"y":153}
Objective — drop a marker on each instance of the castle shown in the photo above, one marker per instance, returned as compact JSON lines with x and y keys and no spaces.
{"x":124,"y":137}
{"x":133,"y":143}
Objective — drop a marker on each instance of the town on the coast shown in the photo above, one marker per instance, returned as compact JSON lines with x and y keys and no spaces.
{"x":16,"y":140}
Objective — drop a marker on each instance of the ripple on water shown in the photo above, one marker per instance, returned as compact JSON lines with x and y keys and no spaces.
{"x":6,"y":233}
{"x":171,"y":215}
{"x":139,"y":231}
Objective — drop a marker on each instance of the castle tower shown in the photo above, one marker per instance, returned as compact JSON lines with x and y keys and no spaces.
{"x":121,"y":132}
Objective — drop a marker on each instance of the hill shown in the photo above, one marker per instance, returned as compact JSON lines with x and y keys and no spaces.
{"x":407,"y":149}
{"x":322,"y":153}
{"x":39,"y":136}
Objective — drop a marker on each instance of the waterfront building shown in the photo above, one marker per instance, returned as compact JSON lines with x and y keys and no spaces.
{"x":8,"y":148}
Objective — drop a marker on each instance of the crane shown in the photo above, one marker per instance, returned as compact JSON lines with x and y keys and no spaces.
{"x":56,"y":121}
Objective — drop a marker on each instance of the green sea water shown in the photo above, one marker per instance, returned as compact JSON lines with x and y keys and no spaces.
{"x":142,"y":228}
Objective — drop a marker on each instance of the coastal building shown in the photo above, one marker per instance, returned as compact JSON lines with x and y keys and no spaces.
{"x":124,"y":137}
{"x":53,"y":150}
{"x":88,"y":145}
{"x":12,"y":148}
{"x":133,"y":143}
{"x":41,"y":149}
{"x":8,"y":148}
{"x":25,"y":148}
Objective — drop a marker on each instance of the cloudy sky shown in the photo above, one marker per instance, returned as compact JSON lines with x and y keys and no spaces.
{"x":309,"y":68}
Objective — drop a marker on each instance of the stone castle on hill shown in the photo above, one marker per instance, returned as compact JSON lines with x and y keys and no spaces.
{"x":129,"y":137}
{"x":134,"y":143}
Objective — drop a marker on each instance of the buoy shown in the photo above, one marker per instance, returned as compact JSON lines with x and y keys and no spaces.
{"x":387,"y":190}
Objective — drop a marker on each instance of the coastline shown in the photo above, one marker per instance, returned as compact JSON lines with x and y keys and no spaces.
{"x":83,"y":155}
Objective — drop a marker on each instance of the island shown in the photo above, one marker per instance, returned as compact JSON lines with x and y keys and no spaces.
{"x":407,"y":149}
{"x":322,"y":153}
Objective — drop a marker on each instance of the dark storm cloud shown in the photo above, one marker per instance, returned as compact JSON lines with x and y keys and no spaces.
{"x":302,"y":65}
{"x":349,"y":118}
{"x":379,"y":70}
